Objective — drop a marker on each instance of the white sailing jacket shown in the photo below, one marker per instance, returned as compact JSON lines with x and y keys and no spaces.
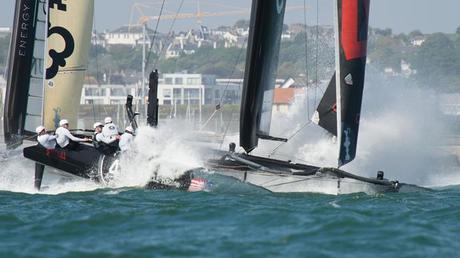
{"x":109,"y":130}
{"x":63,"y":135}
{"x":47,"y":141}
{"x":125,"y":141}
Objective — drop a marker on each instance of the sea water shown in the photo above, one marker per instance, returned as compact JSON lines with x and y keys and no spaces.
{"x":232,"y":220}
{"x":71,"y":217}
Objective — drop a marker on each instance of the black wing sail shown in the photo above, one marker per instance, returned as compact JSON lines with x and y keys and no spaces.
{"x":352,"y":18}
{"x":261,"y":66}
{"x":24,"y":94}
{"x":20,"y":65}
{"x":326,"y":113}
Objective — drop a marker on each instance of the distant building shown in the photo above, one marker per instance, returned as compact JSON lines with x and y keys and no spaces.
{"x":284,"y":97}
{"x":173,"y":51}
{"x":232,"y":39}
{"x":128,"y":35}
{"x":188,"y":42}
{"x":418,"y":41}
{"x":106,"y":94}
{"x":183,"y":88}
{"x":406,"y":69}
{"x":98,"y":39}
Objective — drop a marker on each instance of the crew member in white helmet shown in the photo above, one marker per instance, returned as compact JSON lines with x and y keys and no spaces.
{"x":97,"y":136}
{"x":45,"y":140}
{"x":65,"y":139}
{"x":110,"y":134}
{"x":100,"y":142}
{"x":110,"y":129}
{"x":126,"y":138}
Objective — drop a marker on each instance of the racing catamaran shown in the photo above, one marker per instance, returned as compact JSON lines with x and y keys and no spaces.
{"x":46,"y":73}
{"x":338,"y":111}
{"x":47,"y":64}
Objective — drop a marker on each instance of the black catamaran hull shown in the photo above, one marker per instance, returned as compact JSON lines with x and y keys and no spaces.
{"x":89,"y":163}
{"x":286,"y":177}
{"x":80,"y":163}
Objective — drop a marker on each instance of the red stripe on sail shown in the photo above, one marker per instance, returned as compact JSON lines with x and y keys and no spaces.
{"x":352,"y":46}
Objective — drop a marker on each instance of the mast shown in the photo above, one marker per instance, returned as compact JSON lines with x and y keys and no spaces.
{"x":261,"y":66}
{"x":352,"y":19}
{"x":142,"y":95}
{"x":152,"y":108}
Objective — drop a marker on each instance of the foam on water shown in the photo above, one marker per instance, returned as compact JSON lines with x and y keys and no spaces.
{"x":164,"y":152}
{"x":17,"y":175}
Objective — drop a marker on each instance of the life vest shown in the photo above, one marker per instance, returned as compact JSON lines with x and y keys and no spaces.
{"x":96,"y":143}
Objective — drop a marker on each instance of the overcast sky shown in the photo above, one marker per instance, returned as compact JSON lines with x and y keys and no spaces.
{"x":400,"y":15}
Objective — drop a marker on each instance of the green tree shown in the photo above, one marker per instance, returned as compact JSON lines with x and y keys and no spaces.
{"x":224,"y":62}
{"x":385,"y":52}
{"x":415,"y":33}
{"x":242,"y":23}
{"x":436,"y":62}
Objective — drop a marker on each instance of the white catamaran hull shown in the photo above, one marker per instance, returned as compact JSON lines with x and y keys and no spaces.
{"x":318,"y":183}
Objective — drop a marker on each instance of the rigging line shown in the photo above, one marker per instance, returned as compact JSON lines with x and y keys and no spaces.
{"x":154,"y":35}
{"x":226,"y":129}
{"x":317,"y":52}
{"x":97,"y":64}
{"x":233,"y":71}
{"x":306,"y":53}
{"x":306,"y":74}
{"x":290,"y":137}
{"x":219,"y":105}
{"x":169,"y":32}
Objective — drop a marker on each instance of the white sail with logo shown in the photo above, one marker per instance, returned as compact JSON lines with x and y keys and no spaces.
{"x":69,"y":41}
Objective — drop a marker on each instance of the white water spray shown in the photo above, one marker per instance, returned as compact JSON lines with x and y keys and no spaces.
{"x":400,"y":131}
{"x":164,"y":152}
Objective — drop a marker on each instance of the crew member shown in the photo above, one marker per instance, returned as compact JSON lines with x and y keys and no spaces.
{"x":106,"y":145}
{"x":97,"y":136}
{"x":110,"y":135}
{"x":45,"y":140}
{"x":110,"y":129}
{"x":126,"y":138}
{"x":65,"y":139}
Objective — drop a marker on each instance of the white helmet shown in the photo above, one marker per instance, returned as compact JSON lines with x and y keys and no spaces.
{"x":108,"y":120}
{"x":129,"y":129}
{"x":97,"y":124}
{"x":39,"y":129}
{"x":63,"y":122}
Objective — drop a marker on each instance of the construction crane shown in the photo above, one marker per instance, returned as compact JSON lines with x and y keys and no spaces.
{"x":199,"y":14}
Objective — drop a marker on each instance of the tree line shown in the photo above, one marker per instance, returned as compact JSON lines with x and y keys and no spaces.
{"x":306,"y":57}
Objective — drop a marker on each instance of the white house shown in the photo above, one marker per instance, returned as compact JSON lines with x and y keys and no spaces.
{"x":128,"y":35}
{"x":108,"y":94}
{"x":183,"y":88}
{"x":418,"y":41}
{"x":234,"y":40}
